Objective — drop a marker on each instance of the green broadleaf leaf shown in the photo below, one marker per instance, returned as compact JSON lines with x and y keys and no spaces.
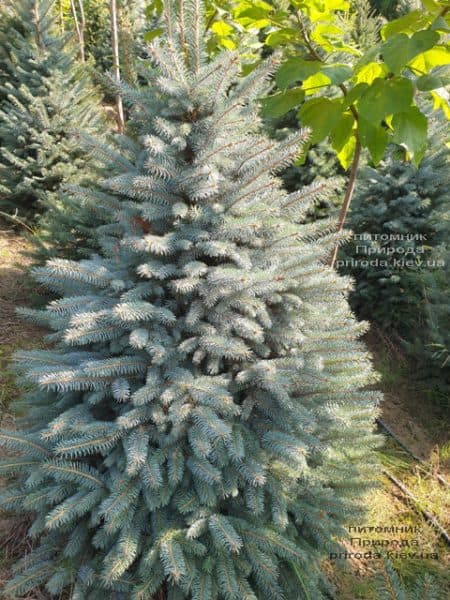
{"x":315,"y":82}
{"x":440,"y":101}
{"x":323,"y":10}
{"x":249,"y":24}
{"x":221,"y":28}
{"x":282,"y":37}
{"x":368,"y":73}
{"x":154,"y":7}
{"x":386,"y":97}
{"x":435,"y":57}
{"x":282,"y":102}
{"x":342,"y":132}
{"x":226,"y":43}
{"x":249,"y":67}
{"x":374,"y":138}
{"x":343,"y":139}
{"x":430,"y":82}
{"x":400,"y":49}
{"x":345,"y":155}
{"x":432,"y":6}
{"x":354,"y":94}
{"x":321,"y":115}
{"x":296,"y":69}
{"x":440,"y":24}
{"x":410,"y":130}
{"x":301,"y":158}
{"x":337,"y":73}
{"x":329,"y":37}
{"x":151,"y":35}
{"x":370,"y":56}
{"x":410,"y":23}
{"x":256,"y":9}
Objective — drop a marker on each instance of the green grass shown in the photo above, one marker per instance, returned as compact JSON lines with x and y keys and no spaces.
{"x":386,"y":508}
{"x":10,"y":390}
{"x":392,"y":372}
{"x":351,"y":588}
{"x":8,"y":387}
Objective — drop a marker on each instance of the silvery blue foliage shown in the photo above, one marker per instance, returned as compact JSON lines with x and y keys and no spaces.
{"x":200,"y":426}
{"x":47,"y":100}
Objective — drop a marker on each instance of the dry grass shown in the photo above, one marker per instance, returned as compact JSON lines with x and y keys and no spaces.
{"x":416,"y":422}
{"x":15,"y":290}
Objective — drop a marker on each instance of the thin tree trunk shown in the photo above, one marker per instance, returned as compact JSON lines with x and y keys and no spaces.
{"x":61,"y":16}
{"x":116,"y":62}
{"x":82,"y":19}
{"x":347,"y":198}
{"x":78,"y":29}
{"x":37,"y":25}
{"x":356,"y":157}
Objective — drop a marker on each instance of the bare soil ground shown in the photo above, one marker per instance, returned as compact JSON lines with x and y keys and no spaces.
{"x":415,"y":419}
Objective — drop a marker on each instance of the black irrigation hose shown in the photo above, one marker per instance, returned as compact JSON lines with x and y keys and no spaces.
{"x":427,"y":515}
{"x":388,"y":430}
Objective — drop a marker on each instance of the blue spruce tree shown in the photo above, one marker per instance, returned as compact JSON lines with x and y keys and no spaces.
{"x":200,"y":429}
{"x":46,"y":101}
{"x":428,"y":342}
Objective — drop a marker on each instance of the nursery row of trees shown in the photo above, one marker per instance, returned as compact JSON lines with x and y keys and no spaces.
{"x":202,"y":428}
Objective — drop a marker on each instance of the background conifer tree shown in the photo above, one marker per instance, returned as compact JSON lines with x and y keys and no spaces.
{"x":429,"y":341}
{"x":393,"y":9}
{"x":200,"y":427}
{"x":97,"y":35}
{"x":401,"y":213}
{"x":46,"y":101}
